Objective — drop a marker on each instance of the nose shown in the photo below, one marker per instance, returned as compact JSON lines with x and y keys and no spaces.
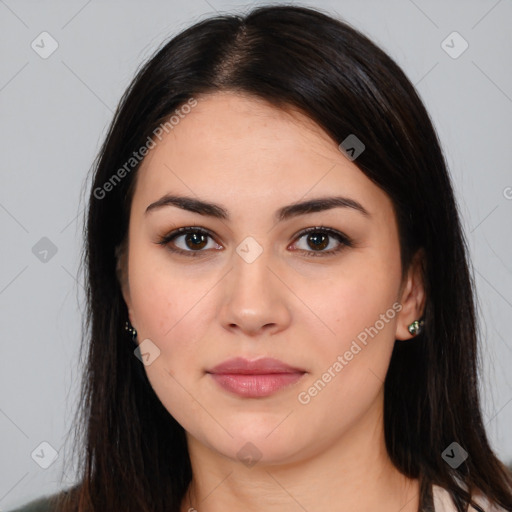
{"x":255,"y":297}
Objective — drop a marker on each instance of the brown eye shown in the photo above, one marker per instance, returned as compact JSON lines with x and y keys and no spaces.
{"x":189,"y":241}
{"x":195,"y":240}
{"x":317,"y":239}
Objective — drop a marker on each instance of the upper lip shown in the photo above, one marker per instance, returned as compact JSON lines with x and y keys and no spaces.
{"x":264,"y":365}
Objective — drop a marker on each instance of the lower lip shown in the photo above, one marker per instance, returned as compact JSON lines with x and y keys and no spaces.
{"x":255,"y":385}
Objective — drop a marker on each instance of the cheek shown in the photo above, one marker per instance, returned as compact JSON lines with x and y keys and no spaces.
{"x":351,"y":365}
{"x":166,"y":297}
{"x":367,"y":300}
{"x":169,"y":307}
{"x":353,"y":297}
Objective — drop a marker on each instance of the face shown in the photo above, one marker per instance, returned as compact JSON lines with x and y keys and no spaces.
{"x":254,"y":275}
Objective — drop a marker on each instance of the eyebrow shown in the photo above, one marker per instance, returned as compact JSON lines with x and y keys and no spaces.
{"x":286,"y":212}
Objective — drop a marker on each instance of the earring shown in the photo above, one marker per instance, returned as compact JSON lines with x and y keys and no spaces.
{"x":131,"y":330}
{"x":416,"y":327}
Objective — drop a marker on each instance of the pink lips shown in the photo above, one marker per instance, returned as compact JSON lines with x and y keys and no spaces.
{"x":254,"y":379}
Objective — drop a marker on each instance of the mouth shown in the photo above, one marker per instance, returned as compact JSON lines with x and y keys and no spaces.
{"x":255,"y":379}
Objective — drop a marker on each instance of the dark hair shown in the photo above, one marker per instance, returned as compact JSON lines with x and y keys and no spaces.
{"x":134,"y":455}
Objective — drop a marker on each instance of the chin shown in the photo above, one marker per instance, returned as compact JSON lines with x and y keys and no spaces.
{"x":258,"y":443}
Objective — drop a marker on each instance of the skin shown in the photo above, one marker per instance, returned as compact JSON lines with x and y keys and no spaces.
{"x":252,"y":159}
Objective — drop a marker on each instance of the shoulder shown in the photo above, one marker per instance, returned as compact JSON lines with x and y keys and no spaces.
{"x":444,"y":503}
{"x":41,"y":504}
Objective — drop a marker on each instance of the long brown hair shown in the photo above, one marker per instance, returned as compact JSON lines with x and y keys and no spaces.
{"x":133,"y":454}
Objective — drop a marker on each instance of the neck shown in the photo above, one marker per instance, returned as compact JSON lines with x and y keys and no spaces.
{"x":355,"y":473}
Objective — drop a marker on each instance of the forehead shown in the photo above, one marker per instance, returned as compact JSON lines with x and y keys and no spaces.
{"x":239,"y":148}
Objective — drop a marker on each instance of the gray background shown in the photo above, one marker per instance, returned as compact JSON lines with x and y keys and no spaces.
{"x":55,"y":113}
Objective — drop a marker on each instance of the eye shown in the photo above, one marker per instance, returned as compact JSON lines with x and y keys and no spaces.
{"x":319,"y":238}
{"x":193,"y":241}
{"x":189,"y":241}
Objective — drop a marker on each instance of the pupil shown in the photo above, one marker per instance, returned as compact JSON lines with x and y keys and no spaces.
{"x":320,"y":241}
{"x":197,"y":240}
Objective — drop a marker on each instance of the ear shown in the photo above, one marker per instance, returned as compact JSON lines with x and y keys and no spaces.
{"x":412,"y":296}
{"x":121,"y":253}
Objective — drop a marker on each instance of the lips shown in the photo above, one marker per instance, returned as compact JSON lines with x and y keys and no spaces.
{"x":265,"y":365}
{"x":254,"y":379}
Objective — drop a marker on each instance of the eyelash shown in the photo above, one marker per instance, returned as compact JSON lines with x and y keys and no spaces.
{"x":340,"y":237}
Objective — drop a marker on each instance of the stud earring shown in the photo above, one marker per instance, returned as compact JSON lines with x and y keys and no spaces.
{"x":416,"y":327}
{"x":131,"y":330}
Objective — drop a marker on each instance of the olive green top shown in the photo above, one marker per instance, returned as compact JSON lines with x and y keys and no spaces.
{"x":442,"y":503}
{"x":43,"y":504}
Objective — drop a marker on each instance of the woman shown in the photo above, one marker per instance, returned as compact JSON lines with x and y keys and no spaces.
{"x":280,"y":309}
